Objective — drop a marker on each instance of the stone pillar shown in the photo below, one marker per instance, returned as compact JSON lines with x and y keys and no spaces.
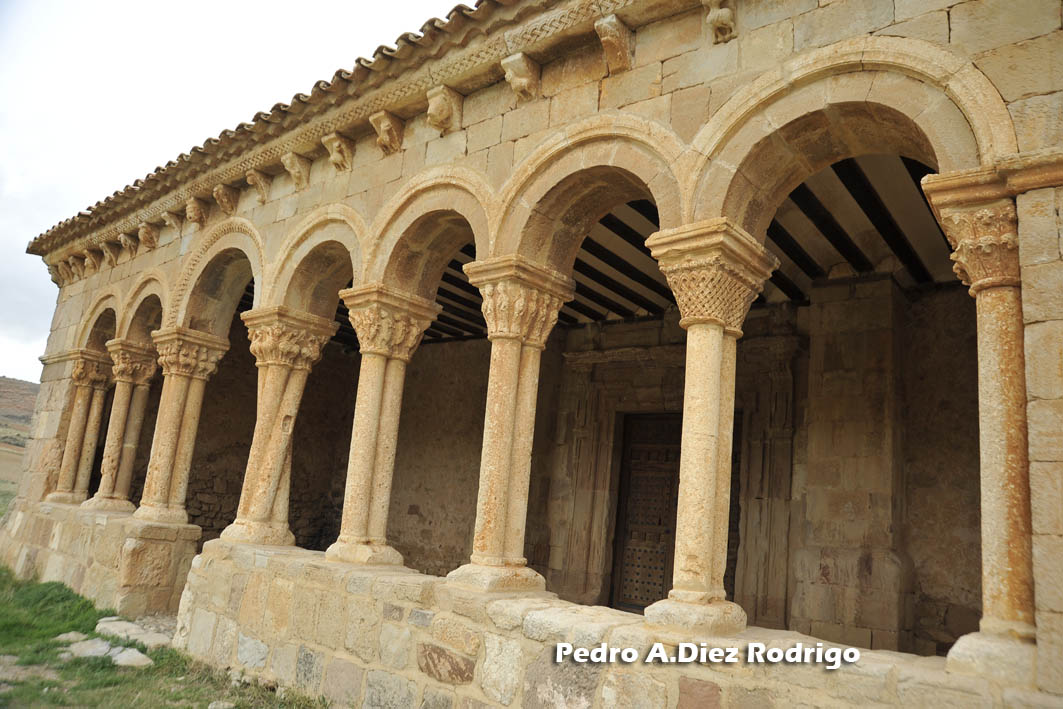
{"x":520,"y":305}
{"x":188,"y":359}
{"x":716,"y":271}
{"x":134,"y":366}
{"x":91,"y":376}
{"x":985,"y":241}
{"x":389,"y":325}
{"x":286,"y":344}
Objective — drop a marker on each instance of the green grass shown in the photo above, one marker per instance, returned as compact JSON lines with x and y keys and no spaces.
{"x":32,"y":614}
{"x":7,"y":494}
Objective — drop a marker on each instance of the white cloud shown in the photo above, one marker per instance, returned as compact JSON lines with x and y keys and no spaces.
{"x":94,"y":95}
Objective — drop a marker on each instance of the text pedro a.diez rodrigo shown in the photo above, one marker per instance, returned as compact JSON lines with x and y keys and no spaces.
{"x":829,"y":657}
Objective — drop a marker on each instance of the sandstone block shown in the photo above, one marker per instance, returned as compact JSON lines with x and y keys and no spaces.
{"x":343,"y":682}
{"x":501,"y":671}
{"x":979,"y":25}
{"x":670,"y":37}
{"x":567,"y":684}
{"x":1045,"y":420}
{"x":251,"y":652}
{"x":631,"y":86}
{"x":131,"y":657}
{"x":283,"y":662}
{"x":632,"y":691}
{"x":929,"y":27}
{"x":388,"y":691}
{"x":1027,"y":68}
{"x":839,"y":20}
{"x":1038,"y":121}
{"x":444,"y":665}
{"x":698,"y":694}
{"x":394,"y":645}
{"x":759,"y":14}
{"x":1040,"y":230}
{"x":456,"y":633}
{"x":308,"y":669}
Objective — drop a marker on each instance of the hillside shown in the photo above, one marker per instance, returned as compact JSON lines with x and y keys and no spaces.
{"x":17,"y":399}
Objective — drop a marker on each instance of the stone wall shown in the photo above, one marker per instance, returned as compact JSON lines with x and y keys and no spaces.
{"x":381,"y":637}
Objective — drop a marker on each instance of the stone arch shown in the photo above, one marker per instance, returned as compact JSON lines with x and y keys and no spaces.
{"x":559,"y":190}
{"x":143,"y":308}
{"x":857,"y":97}
{"x":433,"y":217}
{"x":217,"y":262}
{"x":324,"y":250}
{"x":101,"y":323}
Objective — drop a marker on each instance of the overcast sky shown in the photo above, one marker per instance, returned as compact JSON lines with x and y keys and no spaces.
{"x":95,"y":94}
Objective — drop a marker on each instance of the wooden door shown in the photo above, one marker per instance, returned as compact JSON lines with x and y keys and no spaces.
{"x":646,"y":510}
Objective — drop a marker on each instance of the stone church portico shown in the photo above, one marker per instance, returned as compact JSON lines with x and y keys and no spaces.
{"x":568,"y":321}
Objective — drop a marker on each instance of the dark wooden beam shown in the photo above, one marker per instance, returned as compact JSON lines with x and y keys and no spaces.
{"x":446,"y":329}
{"x":648,"y":210}
{"x":458,"y":324}
{"x":794,"y":251}
{"x":821,"y":217}
{"x":917,"y":171}
{"x":636,"y":274}
{"x":603,"y":300}
{"x":468,"y":303}
{"x":588,"y":271}
{"x":621,"y":229}
{"x":471,"y":317}
{"x":861,"y":189}
{"x":790,"y":289}
{"x":459,"y":282}
{"x":584,"y":310}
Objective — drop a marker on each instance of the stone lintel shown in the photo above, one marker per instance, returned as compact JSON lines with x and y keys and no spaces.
{"x":398,"y":301}
{"x":76,"y":354}
{"x":518,"y":268}
{"x":289,"y":317}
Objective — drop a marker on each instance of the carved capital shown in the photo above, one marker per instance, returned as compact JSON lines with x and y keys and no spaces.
{"x":92,"y":369}
{"x":618,"y":43}
{"x":715,"y":270}
{"x":340,"y":151}
{"x":261,"y":182}
{"x":389,"y":128}
{"x":388,"y":322}
{"x":522,"y":75}
{"x":444,"y":109}
{"x":299,"y":168}
{"x":285,"y":337}
{"x":133,"y":362}
{"x":520,"y":300}
{"x":148,"y":235}
{"x":196,"y":211}
{"x":985,"y":242}
{"x":188,"y":353}
{"x":227,"y":198}
{"x":721,"y":19}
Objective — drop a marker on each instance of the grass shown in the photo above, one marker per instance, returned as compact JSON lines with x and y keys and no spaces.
{"x":7,"y":493}
{"x":32,"y":614}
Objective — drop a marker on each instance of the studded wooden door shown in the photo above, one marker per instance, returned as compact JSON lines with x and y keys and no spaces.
{"x":646,"y":510}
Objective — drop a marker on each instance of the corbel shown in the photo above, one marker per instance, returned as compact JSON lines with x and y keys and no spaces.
{"x":522,"y":75}
{"x":618,"y":43}
{"x":389,"y":129}
{"x":722,"y":20}
{"x":56,"y":276}
{"x":444,"y":109}
{"x":172,"y":219}
{"x":93,"y":258}
{"x":261,"y":182}
{"x":196,"y":211}
{"x":340,"y":151}
{"x":110,"y":252}
{"x":298,"y":167}
{"x":65,"y":274}
{"x":227,"y":198}
{"x":148,"y":235}
{"x":77,"y":266}
{"x":129,"y":243}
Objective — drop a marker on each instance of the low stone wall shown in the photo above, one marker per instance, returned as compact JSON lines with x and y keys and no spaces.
{"x":119,"y":562}
{"x":396,"y":638}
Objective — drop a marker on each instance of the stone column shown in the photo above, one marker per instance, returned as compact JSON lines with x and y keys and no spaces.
{"x":520,"y":305}
{"x":90,"y":376}
{"x":286,"y":344}
{"x":134,"y":366}
{"x":985,"y":242}
{"x":715,"y":270}
{"x":389,"y":326}
{"x":188,"y":359}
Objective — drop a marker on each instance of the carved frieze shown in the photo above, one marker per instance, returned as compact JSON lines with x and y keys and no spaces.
{"x":340,"y":151}
{"x":618,"y":43}
{"x":227,"y":198}
{"x":522,"y":75}
{"x":444,"y":109}
{"x":985,"y":244}
{"x":389,"y":129}
{"x":261,"y":182}
{"x":299,"y":168}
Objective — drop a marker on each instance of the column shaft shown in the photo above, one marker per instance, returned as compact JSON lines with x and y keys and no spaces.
{"x":89,"y":443}
{"x":186,"y":444}
{"x":386,"y":444}
{"x":724,"y":447}
{"x":74,"y":437}
{"x":134,"y":425}
{"x":354,"y":526}
{"x":116,"y":425}
{"x":164,"y":445}
{"x":523,"y":441}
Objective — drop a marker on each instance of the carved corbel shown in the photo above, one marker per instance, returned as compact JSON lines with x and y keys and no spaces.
{"x":148,"y":236}
{"x":227,"y":198}
{"x":522,"y":75}
{"x":77,"y":266}
{"x":172,"y":219}
{"x":618,"y":43}
{"x":93,"y":259}
{"x":444,"y":109}
{"x":196,"y":211}
{"x":340,"y":151}
{"x":110,"y":252}
{"x":389,"y":129}
{"x":55,"y":274}
{"x":129,"y":243}
{"x":65,"y":274}
{"x":722,"y":20}
{"x":261,"y":182}
{"x":298,"y":167}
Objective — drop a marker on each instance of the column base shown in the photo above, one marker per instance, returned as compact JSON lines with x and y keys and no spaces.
{"x":1006,"y":659}
{"x":714,"y":618}
{"x":480,"y":577}
{"x":109,"y":504}
{"x":160,"y":513}
{"x":363,"y":554}
{"x":244,"y":531}
{"x":66,"y":498}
